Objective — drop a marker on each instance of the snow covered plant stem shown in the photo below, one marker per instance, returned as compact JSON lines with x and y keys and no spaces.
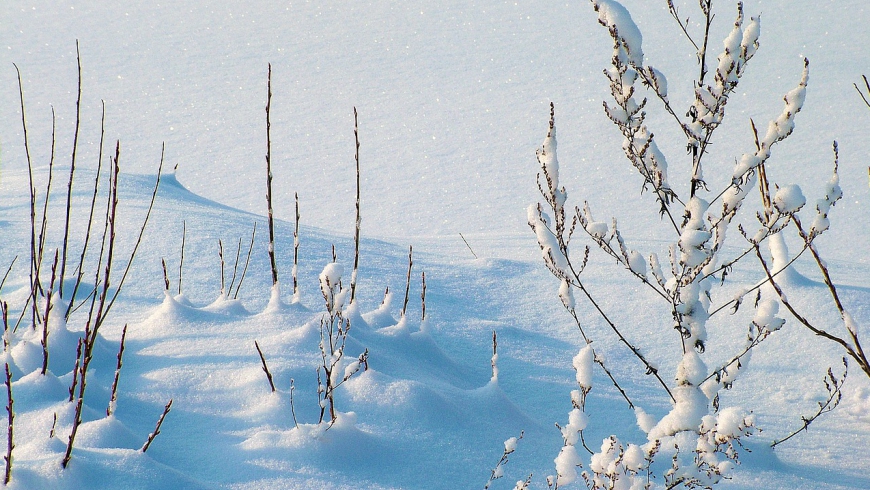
{"x":554,"y":241}
{"x":334,"y":327}
{"x":698,"y":435}
{"x":510,"y":446}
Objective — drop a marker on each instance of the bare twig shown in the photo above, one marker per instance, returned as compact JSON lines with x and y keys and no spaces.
{"x":804,"y":321}
{"x":358,"y":221}
{"x":221,"y":257}
{"x":683,"y":24}
{"x":156,"y":432}
{"x":265,"y":367}
{"x":269,"y":179}
{"x":498,"y":471}
{"x":87,"y":240}
{"x":43,"y":229}
{"x":494,"y":360}
{"x":235,"y":267}
{"x":292,"y":407}
{"x":72,"y":169}
{"x":423,"y":297}
{"x":165,"y":275}
{"x":467,"y":245}
{"x":181,"y":262}
{"x":247,"y":261}
{"x":48,"y":308}
{"x":10,"y":445}
{"x":834,"y":386}
{"x":296,"y":249}
{"x":34,"y":268}
{"x":8,"y":270}
{"x":4,"y":306}
{"x":867,"y":86}
{"x":408,"y":281}
{"x":113,"y":401}
{"x":141,"y":231}
{"x":72,"y":387}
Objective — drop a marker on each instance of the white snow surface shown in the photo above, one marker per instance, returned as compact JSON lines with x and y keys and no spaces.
{"x":453,"y":100}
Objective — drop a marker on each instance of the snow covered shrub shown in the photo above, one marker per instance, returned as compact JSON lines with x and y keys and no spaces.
{"x":334,"y":327}
{"x":695,"y":443}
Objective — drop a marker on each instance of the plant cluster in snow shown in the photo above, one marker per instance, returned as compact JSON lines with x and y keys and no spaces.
{"x":698,"y":435}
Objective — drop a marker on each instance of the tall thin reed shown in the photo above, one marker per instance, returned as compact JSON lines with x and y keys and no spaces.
{"x":358,"y":222}
{"x":72,"y":169}
{"x":269,"y":179}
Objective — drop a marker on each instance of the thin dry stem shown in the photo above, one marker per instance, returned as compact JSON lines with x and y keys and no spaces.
{"x":247,"y":261}
{"x":408,"y":280}
{"x":181,"y":262}
{"x":156,"y":432}
{"x":269,"y":179}
{"x":265,"y":367}
{"x":114,"y":399}
{"x":87,"y":240}
{"x":10,"y":444}
{"x":358,"y":219}
{"x":72,"y":169}
{"x":221,"y":257}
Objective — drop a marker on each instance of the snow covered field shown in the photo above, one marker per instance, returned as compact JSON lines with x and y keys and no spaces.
{"x":453,"y":100}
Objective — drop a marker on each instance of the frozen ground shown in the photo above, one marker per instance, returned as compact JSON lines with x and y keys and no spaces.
{"x":453,"y":101}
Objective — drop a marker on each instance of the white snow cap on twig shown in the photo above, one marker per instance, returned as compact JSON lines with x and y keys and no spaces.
{"x":614,"y":16}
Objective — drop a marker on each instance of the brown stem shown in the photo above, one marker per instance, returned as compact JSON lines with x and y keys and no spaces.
{"x":358,"y":222}
{"x":10,"y":445}
{"x":221,"y":256}
{"x":114,"y":398}
{"x":296,"y":248}
{"x":247,"y":261}
{"x":265,"y":367}
{"x":141,"y":231}
{"x":72,"y":169}
{"x":181,"y":262}
{"x":156,"y":432}
{"x":48,"y":308}
{"x":87,"y":241}
{"x":408,"y":281}
{"x":423,"y":297}
{"x":269,"y":179}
